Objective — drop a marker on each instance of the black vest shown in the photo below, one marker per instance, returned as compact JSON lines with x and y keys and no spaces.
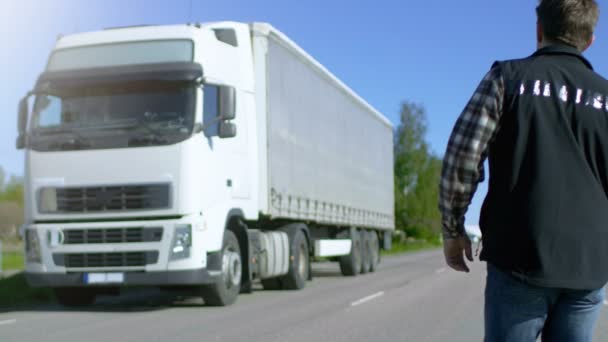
{"x":545,"y":217}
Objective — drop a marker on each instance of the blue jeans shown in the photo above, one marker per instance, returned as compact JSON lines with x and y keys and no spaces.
{"x":518,"y":312}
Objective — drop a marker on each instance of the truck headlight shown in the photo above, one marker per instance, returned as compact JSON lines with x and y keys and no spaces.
{"x":182,"y":241}
{"x":48,"y":200}
{"x":32,"y":246}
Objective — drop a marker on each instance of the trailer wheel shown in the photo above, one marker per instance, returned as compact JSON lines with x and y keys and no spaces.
{"x":75,"y":296}
{"x":299,"y":263}
{"x":350,"y":265}
{"x":366,"y":251}
{"x":226,"y":289}
{"x":375,"y":250}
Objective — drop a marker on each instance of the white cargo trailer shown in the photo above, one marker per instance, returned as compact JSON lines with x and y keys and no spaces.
{"x":199,"y":157}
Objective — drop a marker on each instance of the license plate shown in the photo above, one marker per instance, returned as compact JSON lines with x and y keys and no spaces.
{"x":104,"y":278}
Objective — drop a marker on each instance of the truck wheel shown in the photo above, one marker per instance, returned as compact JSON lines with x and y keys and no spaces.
{"x":350,"y":265}
{"x":298,"y":263}
{"x":70,"y":296}
{"x":366,"y":257}
{"x":375,"y":251}
{"x":226,"y":289}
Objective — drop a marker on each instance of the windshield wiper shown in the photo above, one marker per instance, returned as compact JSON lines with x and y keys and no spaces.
{"x":147,"y":140}
{"x":154,"y":136}
{"x":77,"y":140}
{"x":73,"y":144}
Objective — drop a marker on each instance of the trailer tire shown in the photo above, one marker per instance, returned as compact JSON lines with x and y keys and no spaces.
{"x":75,"y":296}
{"x":227,"y":287}
{"x":350,"y":265}
{"x":375,"y":251}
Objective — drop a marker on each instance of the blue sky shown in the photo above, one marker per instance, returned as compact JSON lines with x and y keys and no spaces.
{"x":432,"y":52}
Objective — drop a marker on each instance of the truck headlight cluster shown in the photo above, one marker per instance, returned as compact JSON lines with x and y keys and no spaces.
{"x":32,"y":246}
{"x":182,"y":241}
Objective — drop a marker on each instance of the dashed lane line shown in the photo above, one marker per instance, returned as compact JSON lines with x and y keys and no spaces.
{"x":8,"y":321}
{"x":367,"y":299}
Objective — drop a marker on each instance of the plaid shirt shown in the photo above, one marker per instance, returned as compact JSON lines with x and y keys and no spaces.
{"x":467,"y":150}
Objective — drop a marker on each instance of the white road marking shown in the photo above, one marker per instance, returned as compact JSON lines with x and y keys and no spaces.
{"x":8,"y":321}
{"x":367,"y":299}
{"x":441,"y":270}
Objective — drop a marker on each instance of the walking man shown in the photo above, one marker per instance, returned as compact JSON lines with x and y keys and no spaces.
{"x":542,"y":122}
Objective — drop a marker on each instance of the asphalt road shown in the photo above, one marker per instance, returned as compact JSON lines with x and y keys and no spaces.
{"x":410,"y":298}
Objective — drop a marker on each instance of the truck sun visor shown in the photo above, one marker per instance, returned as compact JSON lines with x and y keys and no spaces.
{"x":162,"y":72}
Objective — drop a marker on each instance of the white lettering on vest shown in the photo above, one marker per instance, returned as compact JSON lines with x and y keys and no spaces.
{"x":547,"y":90}
{"x":579,"y":95}
{"x":597,"y":102}
{"x":563,"y":93}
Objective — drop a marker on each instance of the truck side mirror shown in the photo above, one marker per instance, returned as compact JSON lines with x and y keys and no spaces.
{"x":22,"y":122}
{"x":227,"y":105}
{"x":20,"y":142}
{"x":227,"y":130}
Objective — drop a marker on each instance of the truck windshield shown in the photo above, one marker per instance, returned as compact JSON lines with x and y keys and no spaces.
{"x":130,"y":115}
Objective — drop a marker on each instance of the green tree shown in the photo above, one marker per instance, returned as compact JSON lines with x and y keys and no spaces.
{"x":417,"y":173}
{"x":11,"y":191}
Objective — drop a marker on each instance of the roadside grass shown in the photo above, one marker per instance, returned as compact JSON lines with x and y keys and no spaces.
{"x":12,"y":260}
{"x":412,"y":246}
{"x":15,"y":292}
{"x":12,"y":255}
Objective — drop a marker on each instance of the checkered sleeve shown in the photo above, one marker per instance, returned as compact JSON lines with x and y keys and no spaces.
{"x":467,"y":150}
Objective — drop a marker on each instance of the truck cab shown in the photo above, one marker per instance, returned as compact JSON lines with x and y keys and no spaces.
{"x":138,"y":142}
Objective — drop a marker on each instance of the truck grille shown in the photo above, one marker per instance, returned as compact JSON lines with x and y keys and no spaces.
{"x":112,"y":235}
{"x":111,"y":198}
{"x":120,"y":259}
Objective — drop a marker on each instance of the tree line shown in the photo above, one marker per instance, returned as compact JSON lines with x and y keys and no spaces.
{"x":417,"y":174}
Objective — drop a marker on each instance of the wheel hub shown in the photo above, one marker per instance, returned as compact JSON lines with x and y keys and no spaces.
{"x":231,"y":268}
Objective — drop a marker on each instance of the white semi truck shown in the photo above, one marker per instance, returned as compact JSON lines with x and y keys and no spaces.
{"x":198,"y":157}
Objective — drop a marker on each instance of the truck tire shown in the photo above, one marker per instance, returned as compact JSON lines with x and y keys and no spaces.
{"x":227,"y":287}
{"x":350,"y":265}
{"x":75,"y":296}
{"x":366,"y":252}
{"x":375,"y":251}
{"x":298,"y":263}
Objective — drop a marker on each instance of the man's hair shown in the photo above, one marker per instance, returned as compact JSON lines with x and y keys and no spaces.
{"x":568,"y":21}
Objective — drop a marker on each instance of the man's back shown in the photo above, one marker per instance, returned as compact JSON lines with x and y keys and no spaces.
{"x":543,"y":123}
{"x":545,"y":214}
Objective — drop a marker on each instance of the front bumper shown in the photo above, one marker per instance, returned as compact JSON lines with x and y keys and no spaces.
{"x":119,"y":246}
{"x":163,"y":278}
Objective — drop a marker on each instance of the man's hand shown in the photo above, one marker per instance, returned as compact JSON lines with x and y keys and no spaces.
{"x":453,"y":249}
